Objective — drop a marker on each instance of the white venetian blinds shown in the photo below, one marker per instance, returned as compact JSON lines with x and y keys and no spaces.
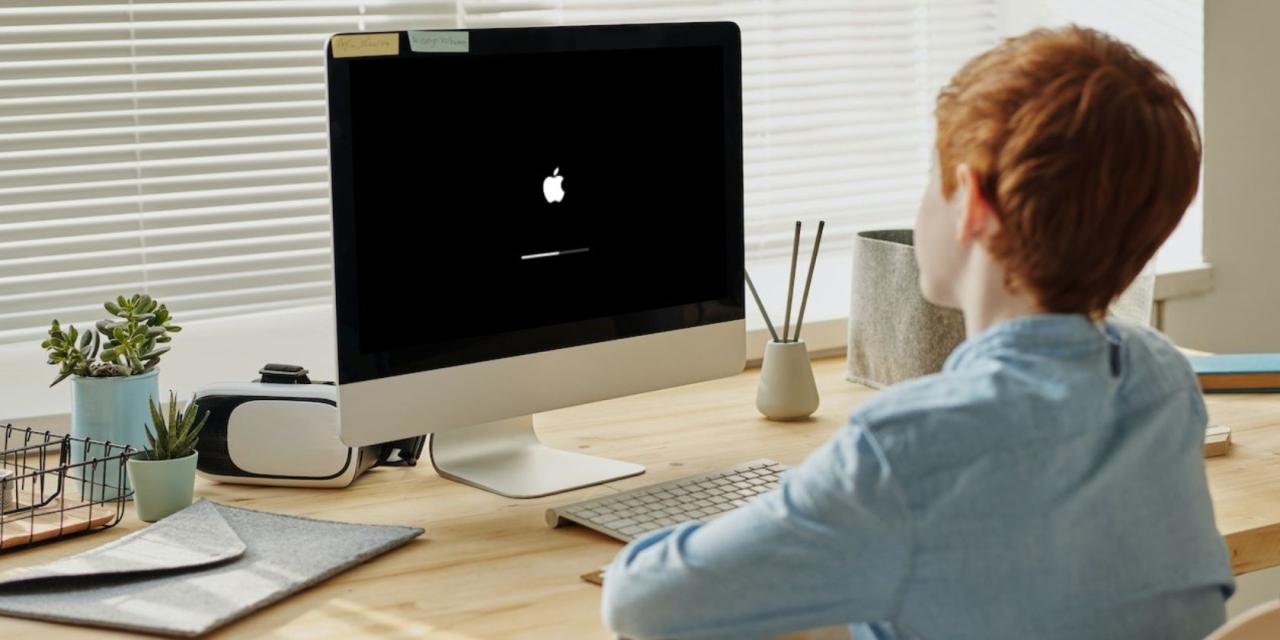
{"x":178,"y":147}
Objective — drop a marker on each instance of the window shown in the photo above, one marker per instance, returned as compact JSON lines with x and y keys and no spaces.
{"x":176,"y":148}
{"x":179,"y":148}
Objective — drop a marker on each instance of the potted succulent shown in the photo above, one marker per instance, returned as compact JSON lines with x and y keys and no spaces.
{"x":113,"y":374}
{"x":163,"y":475}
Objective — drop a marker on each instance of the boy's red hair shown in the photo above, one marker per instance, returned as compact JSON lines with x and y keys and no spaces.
{"x":1085,"y":149}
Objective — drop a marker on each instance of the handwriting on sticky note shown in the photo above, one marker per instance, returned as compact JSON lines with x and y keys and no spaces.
{"x":365,"y":44}
{"x":440,"y":41}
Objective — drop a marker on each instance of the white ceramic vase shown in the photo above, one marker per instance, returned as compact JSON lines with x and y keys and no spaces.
{"x":787,"y":390}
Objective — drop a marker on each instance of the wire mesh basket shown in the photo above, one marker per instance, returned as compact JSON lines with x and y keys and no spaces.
{"x":55,"y":485}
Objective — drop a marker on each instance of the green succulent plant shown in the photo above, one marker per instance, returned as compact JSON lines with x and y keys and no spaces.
{"x":176,"y":436}
{"x":128,"y":343}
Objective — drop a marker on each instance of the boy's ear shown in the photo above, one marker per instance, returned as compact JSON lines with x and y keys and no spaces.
{"x":977,"y":217}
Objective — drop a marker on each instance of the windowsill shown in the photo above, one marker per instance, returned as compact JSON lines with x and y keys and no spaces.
{"x":1184,"y":282}
{"x":226,"y":350}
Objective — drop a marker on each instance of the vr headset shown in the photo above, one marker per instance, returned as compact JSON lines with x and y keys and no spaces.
{"x":282,"y":430}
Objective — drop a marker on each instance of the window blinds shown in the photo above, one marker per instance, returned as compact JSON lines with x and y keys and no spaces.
{"x":178,"y":147}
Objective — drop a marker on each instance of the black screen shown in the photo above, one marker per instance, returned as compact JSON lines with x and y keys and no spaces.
{"x":456,"y":226}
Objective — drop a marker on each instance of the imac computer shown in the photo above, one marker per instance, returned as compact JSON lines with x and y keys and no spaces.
{"x":529,"y":219}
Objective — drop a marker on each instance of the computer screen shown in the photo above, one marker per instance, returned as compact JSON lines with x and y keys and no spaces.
{"x":500,"y":202}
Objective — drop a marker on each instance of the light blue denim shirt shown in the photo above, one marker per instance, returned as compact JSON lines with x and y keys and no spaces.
{"x":1048,"y":483}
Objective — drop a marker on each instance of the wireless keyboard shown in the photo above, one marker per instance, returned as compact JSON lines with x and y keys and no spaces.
{"x":632,"y":513}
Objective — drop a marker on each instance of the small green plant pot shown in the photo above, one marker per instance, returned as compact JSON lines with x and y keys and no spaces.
{"x":161,"y":487}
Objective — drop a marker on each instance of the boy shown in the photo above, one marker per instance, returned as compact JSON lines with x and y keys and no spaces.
{"x":1048,"y":483}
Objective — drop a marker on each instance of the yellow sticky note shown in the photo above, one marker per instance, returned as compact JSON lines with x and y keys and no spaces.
{"x":365,"y":44}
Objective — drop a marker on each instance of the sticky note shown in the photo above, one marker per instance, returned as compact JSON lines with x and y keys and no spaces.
{"x":356,"y":45}
{"x":440,"y":41}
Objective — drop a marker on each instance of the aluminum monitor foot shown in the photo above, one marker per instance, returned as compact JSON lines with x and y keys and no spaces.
{"x":506,"y":458}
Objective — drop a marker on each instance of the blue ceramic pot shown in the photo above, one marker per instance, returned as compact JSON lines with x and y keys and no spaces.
{"x":115,"y":410}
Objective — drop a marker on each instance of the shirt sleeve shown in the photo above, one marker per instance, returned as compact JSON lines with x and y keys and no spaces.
{"x":831,"y":545}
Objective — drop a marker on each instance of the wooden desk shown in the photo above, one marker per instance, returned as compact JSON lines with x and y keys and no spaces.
{"x":488,"y":567}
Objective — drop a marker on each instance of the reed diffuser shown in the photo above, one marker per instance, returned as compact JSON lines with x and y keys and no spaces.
{"x":787,"y":390}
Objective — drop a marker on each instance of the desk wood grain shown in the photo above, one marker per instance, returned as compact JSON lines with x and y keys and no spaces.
{"x":488,"y":567}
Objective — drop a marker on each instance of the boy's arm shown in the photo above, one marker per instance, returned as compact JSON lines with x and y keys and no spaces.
{"x":831,"y":545}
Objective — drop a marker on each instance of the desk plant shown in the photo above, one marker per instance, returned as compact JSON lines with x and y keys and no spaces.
{"x":113,"y":373}
{"x":164,"y":474}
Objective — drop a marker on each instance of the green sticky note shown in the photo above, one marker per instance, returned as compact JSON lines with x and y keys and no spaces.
{"x":440,"y":41}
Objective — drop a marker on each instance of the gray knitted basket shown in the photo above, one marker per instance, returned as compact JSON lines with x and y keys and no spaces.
{"x":894,"y":333}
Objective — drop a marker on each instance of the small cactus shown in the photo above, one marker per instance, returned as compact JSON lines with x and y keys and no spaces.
{"x":176,"y":436}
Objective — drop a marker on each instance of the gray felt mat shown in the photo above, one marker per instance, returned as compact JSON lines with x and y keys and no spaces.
{"x":194,"y":571}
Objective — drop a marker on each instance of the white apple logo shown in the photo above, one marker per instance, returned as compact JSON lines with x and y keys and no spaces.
{"x":553,"y":187}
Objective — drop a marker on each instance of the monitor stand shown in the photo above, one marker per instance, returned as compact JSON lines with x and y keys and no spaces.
{"x":506,"y":458}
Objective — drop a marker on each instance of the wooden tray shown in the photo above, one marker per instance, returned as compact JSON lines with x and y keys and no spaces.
{"x":60,"y":516}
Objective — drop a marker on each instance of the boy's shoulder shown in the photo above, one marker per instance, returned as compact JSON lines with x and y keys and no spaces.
{"x":954,"y":395}
{"x":947,"y":415}
{"x":995,"y":402}
{"x":1155,"y":366}
{"x":1137,"y":333}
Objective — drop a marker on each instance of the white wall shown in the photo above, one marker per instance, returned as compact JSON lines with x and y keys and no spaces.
{"x":1241,"y":184}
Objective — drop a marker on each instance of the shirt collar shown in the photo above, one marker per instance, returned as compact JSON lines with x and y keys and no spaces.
{"x":1048,"y":334}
